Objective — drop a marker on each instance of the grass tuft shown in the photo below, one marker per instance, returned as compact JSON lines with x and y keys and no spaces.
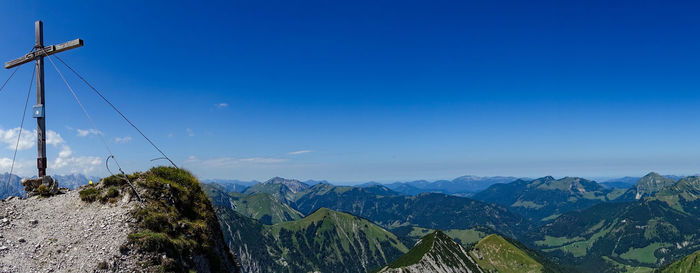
{"x":44,"y":191}
{"x":89,"y":194}
{"x":177,"y":218}
{"x":92,"y":193}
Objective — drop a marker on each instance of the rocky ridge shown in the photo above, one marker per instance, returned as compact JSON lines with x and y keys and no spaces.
{"x":169,"y":226}
{"x":62,"y":233}
{"x":435,"y":252}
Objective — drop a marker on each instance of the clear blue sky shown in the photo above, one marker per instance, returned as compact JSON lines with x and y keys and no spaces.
{"x":376,"y":90}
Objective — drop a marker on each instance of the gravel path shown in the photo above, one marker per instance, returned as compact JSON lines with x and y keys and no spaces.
{"x":62,"y":234}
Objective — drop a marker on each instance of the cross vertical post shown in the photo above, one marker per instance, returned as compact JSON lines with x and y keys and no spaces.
{"x":32,"y":186}
{"x":40,"y":100}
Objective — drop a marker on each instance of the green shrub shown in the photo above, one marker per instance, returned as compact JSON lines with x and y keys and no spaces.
{"x":43,"y":190}
{"x":157,"y":222}
{"x":112,"y":192}
{"x":89,"y":194}
{"x":162,"y":242}
{"x":151,"y":241}
{"x":111,"y":195}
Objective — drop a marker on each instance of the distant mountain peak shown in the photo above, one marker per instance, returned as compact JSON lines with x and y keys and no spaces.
{"x":293,"y":184}
{"x":322,"y":211}
{"x":569,"y":183}
{"x":435,"y":252}
{"x":653,"y":174}
{"x":280,"y":180}
{"x":652,"y":183}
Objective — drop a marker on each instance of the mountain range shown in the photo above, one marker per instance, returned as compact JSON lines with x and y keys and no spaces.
{"x":282,"y":189}
{"x":462,"y":186}
{"x":259,"y":206}
{"x":10,"y":186}
{"x":662,"y":226}
{"x":563,"y":225}
{"x":325,"y":241}
{"x":543,"y":199}
{"x":429,"y":210}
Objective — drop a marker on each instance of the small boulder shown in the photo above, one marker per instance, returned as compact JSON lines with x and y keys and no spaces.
{"x":45,"y":186}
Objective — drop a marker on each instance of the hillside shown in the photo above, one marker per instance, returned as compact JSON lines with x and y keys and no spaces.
{"x":689,"y":264}
{"x":493,"y":253}
{"x":435,"y":252}
{"x":104,"y":228}
{"x":544,"y":199}
{"x":428,"y":210}
{"x":614,"y":237}
{"x":260,"y":206}
{"x":249,"y":239}
{"x":266,"y":209}
{"x":329,"y":235}
{"x":325,"y":241}
{"x":683,"y":195}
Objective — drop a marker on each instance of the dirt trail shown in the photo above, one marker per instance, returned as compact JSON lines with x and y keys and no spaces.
{"x":63,"y":234}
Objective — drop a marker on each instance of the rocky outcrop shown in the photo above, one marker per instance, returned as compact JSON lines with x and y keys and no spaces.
{"x":650,"y":184}
{"x":45,"y":186}
{"x":435,"y":252}
{"x":169,"y":226}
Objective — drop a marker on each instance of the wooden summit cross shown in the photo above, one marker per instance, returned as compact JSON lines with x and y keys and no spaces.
{"x":38,"y":53}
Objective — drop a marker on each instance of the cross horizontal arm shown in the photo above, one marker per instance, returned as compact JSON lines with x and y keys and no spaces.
{"x":48,"y":50}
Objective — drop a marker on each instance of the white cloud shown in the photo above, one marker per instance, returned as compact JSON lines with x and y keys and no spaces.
{"x":87,"y":132}
{"x":299,"y":152}
{"x":232,"y":162}
{"x":9,"y":137}
{"x":53,"y":138}
{"x":221,"y":105}
{"x":67,"y":163}
{"x":5,"y":163}
{"x":122,"y":139}
{"x":189,"y":132}
{"x":22,"y":167}
{"x":28,"y":138}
